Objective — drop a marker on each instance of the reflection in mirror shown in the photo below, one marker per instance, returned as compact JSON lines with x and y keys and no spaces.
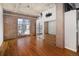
{"x":39,"y":42}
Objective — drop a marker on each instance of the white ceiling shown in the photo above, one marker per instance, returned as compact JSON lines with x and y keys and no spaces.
{"x":28,"y":8}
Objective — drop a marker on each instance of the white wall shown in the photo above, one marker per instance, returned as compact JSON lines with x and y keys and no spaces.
{"x":51,"y":10}
{"x":71,"y":30}
{"x":51,"y":20}
{"x":1,"y":25}
{"x":52,"y":27}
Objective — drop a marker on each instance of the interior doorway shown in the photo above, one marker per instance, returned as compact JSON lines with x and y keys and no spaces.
{"x":78,"y":35}
{"x":46,"y":27}
{"x":50,"y":32}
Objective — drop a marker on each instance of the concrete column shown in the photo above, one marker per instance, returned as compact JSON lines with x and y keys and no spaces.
{"x":59,"y":25}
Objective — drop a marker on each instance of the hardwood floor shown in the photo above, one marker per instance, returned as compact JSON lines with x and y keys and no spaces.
{"x":32,"y":46}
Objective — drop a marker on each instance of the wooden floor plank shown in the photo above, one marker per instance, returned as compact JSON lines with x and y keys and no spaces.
{"x":31,"y":46}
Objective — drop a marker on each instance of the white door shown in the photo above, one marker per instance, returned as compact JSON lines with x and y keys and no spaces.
{"x":71,"y":30}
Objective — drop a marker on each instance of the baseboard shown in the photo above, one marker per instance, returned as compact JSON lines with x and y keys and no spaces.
{"x":74,"y":50}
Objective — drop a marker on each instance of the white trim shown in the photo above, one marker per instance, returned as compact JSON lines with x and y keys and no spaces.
{"x":71,"y":49}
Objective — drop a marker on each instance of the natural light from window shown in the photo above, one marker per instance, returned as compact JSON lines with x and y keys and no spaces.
{"x":23,"y":26}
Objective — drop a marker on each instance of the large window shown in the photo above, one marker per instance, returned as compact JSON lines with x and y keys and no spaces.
{"x":23,"y":26}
